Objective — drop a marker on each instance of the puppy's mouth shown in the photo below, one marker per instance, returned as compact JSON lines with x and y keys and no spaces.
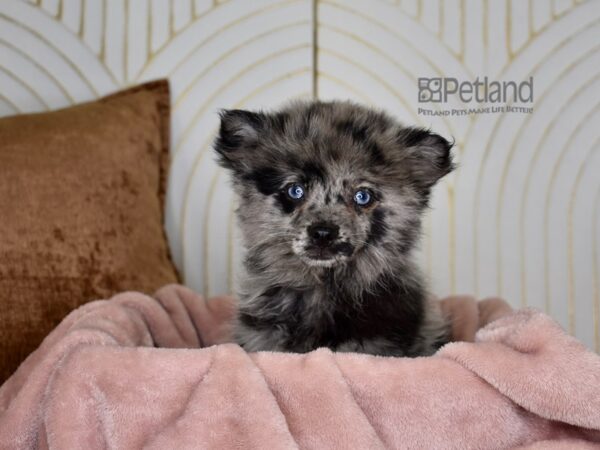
{"x":327,"y":256}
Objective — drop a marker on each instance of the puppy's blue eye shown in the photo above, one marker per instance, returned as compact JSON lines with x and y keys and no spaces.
{"x":362,"y":197}
{"x":295,"y":191}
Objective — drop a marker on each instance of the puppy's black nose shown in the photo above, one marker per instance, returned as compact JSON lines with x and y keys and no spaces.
{"x":323,"y":233}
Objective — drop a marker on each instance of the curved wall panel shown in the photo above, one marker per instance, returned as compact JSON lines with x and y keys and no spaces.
{"x":521,"y":216}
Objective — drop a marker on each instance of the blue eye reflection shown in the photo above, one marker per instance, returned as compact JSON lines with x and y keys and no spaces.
{"x":295,"y":192}
{"x":362,"y":197}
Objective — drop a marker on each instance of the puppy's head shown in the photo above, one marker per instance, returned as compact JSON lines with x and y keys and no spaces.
{"x":325,"y":183}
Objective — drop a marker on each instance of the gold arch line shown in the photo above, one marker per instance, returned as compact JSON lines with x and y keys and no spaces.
{"x":596,"y":304}
{"x":47,"y":12}
{"x":376,"y":77}
{"x":508,"y":161}
{"x":205,"y":252}
{"x":56,"y":50}
{"x":525,"y":195}
{"x":508,"y":31}
{"x":203,"y":149}
{"x":346,"y":85}
{"x":400,"y":37}
{"x":171,"y":20}
{"x":575,"y":188}
{"x":149,"y":26}
{"x":81,"y":20}
{"x":441,"y":27}
{"x":102,"y":51}
{"x":429,"y":246}
{"x":79,"y":36}
{"x":40,"y":67}
{"x":512,"y":57}
{"x":463,"y":39}
{"x":126,"y":40}
{"x":535,"y":67}
{"x":561,"y":44}
{"x":230,"y":234}
{"x":233,"y":24}
{"x":59,"y":13}
{"x":531,"y":33}
{"x":556,"y":15}
{"x":8,"y":102}
{"x":486,"y":152}
{"x":547,"y":198}
{"x":453,"y":55}
{"x":59,"y":17}
{"x":239,"y":20}
{"x":101,"y":54}
{"x":224,"y":86}
{"x":213,"y":182}
{"x":380,"y":52}
{"x":183,"y":95}
{"x":314,"y":56}
{"x":462,"y":20}
{"x":452,"y":235}
{"x":484,"y":29}
{"x":17,"y":80}
{"x":554,"y":173}
{"x":522,"y":127}
{"x":550,"y":23}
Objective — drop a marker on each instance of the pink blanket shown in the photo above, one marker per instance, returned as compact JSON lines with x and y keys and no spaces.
{"x":99,"y":381}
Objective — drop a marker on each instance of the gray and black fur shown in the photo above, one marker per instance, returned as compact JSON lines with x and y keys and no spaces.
{"x":322,"y":270}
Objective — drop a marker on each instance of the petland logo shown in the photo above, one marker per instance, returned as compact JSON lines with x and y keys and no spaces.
{"x":503,"y":95}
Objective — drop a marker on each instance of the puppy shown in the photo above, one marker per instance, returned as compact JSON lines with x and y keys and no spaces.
{"x":331,"y":196}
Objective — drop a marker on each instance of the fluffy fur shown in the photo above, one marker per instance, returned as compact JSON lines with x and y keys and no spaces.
{"x":358,"y":289}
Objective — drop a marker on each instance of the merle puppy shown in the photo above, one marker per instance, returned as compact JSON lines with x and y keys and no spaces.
{"x":331,"y":196}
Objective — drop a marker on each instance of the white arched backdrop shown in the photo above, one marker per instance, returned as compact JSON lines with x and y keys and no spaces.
{"x":521,"y":216}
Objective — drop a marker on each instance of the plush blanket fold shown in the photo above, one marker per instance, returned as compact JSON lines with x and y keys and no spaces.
{"x":138,"y":371}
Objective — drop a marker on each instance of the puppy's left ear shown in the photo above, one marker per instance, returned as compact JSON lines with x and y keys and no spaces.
{"x":238,"y":137}
{"x":429,"y":155}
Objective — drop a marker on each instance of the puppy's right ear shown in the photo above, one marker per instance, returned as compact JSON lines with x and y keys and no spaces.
{"x":238,"y":137}
{"x":429,"y":155}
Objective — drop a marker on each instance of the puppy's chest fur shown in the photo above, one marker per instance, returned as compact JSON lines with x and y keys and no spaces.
{"x":389,"y":318}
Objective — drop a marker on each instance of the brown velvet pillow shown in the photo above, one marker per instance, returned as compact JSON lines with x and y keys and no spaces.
{"x":81,"y":211}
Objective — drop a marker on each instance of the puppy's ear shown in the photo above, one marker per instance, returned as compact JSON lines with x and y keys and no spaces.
{"x":429,"y":155}
{"x":238,"y":136}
